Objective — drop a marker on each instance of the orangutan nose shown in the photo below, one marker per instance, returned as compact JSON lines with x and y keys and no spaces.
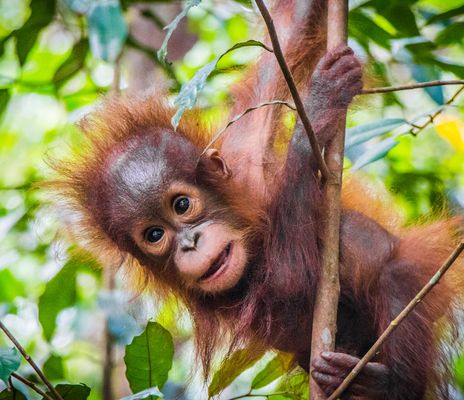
{"x":189,"y":240}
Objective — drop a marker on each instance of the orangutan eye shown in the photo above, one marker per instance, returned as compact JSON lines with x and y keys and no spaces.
{"x":154,"y":234}
{"x":181,"y":205}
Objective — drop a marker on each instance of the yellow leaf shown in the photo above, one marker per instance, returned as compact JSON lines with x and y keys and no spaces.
{"x":451,"y":128}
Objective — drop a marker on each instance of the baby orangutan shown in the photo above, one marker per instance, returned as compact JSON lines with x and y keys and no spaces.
{"x":235,"y":232}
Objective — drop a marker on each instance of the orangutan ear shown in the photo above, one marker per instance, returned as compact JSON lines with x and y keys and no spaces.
{"x":216,"y":163}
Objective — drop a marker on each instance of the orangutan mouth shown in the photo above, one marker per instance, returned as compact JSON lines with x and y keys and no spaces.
{"x":219,"y":265}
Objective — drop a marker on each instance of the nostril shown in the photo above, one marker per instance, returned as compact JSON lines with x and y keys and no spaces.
{"x":196,"y":237}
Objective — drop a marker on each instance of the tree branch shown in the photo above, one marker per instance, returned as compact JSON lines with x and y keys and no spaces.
{"x":324,"y":326}
{"x":31,"y":362}
{"x":32,"y":385}
{"x":401,"y":316}
{"x":387,"y":89}
{"x":292,"y":87}
{"x":418,"y":128}
{"x":218,"y":134}
{"x":109,"y":284}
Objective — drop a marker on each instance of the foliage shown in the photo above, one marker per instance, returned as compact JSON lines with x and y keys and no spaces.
{"x":58,"y":57}
{"x":148,"y":358}
{"x":9,"y":363}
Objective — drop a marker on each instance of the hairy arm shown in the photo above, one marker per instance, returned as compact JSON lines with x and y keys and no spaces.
{"x":335,"y":81}
{"x":301,"y":26}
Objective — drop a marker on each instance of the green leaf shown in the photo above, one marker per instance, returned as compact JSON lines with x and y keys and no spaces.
{"x":295,"y":385}
{"x":53,"y":368}
{"x":10,"y":286}
{"x":42,"y":13}
{"x":72,"y":64}
{"x":451,"y":34}
{"x":188,"y":94}
{"x":72,"y":392}
{"x":402,"y":18}
{"x":163,"y":52}
{"x":12,"y":395}
{"x":154,"y":391}
{"x":447,"y":65}
{"x":149,"y":358}
{"x":232,"y":367}
{"x":4,"y":99}
{"x":9,"y":362}
{"x":59,"y":293}
{"x":365,"y":132}
{"x":375,"y":153}
{"x":274,"y":369}
{"x":425,"y":73}
{"x":362,"y":26}
{"x":107,"y":29}
{"x":459,"y":371}
{"x":446,"y":15}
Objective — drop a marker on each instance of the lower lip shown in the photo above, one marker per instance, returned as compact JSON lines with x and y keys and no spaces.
{"x":223,"y":267}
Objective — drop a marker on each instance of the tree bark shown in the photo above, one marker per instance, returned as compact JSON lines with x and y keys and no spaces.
{"x":325,"y":309}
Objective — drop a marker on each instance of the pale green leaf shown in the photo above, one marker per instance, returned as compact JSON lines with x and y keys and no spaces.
{"x":9,"y":362}
{"x":365,"y":132}
{"x":107,"y":29}
{"x":188,"y":94}
{"x":162,"y":52}
{"x":375,"y":153}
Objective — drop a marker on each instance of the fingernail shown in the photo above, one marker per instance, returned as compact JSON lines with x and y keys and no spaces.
{"x":325,"y":354}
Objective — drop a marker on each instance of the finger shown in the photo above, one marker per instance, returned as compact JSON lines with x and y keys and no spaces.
{"x":354,"y":76}
{"x":321,"y":365}
{"x":341,"y":360}
{"x":330,"y":58}
{"x":326,"y":382}
{"x":344,"y":65}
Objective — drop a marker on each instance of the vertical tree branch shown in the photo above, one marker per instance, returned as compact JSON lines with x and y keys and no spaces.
{"x":326,"y":305}
{"x":108,"y":284}
{"x":108,"y":344}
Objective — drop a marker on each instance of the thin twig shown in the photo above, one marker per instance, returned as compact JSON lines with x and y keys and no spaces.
{"x":292,"y":87}
{"x":432,"y":117}
{"x":251,"y":394}
{"x":394,"y":324}
{"x":31,"y":362}
{"x":32,"y":385}
{"x":411,"y":86}
{"x":237,"y":117}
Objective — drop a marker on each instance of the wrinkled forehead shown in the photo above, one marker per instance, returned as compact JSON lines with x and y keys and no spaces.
{"x":146,"y":167}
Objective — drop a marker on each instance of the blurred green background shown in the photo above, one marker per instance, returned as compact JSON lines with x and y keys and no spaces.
{"x":58,"y":58}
